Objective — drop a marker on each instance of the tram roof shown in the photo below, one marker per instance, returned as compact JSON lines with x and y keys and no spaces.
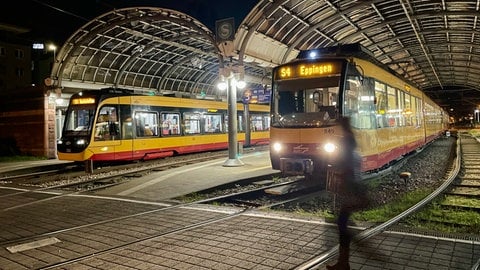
{"x":434,"y":44}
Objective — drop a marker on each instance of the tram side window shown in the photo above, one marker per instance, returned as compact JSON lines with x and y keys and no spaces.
{"x":146,"y":124}
{"x":126,"y":122}
{"x":407,"y":112}
{"x":258,"y":123}
{"x":107,"y":126}
{"x":401,"y":107}
{"x":170,"y":123}
{"x":429,"y":115}
{"x":241,"y":124}
{"x":127,"y":128}
{"x":418,"y":112}
{"x":266,"y":122}
{"x":381,"y":102}
{"x":362,"y":103}
{"x":351,"y":100}
{"x":393,"y":108}
{"x":213,"y":123}
{"x":191,"y":123}
{"x":352,"y":92}
{"x":413,"y":111}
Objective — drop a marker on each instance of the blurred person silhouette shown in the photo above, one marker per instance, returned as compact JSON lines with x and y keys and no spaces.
{"x":351,"y":193}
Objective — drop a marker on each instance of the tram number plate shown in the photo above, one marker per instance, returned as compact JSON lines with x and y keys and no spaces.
{"x":293,"y":166}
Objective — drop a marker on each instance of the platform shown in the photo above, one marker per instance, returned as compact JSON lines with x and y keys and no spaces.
{"x":191,"y":178}
{"x":250,"y":240}
{"x":17,"y":165}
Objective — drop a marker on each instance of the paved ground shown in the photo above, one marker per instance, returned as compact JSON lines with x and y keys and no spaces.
{"x":100,"y":233}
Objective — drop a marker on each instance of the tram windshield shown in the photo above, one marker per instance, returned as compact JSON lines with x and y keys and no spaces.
{"x":311,"y":102}
{"x":79,"y":119}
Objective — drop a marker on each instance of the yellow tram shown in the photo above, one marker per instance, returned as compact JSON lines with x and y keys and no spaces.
{"x":390,"y":116}
{"x":115,"y":124}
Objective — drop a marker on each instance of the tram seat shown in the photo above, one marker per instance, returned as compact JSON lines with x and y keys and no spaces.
{"x":148,"y":132}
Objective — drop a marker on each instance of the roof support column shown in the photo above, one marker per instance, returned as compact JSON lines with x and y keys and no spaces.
{"x":233,"y":159}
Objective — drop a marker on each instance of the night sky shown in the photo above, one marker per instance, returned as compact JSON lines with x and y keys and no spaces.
{"x":56,"y":20}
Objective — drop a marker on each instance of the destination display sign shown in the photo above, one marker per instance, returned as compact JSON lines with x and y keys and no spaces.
{"x":307,"y":70}
{"x":80,"y":101}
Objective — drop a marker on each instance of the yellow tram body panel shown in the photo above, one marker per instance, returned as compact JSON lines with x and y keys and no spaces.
{"x":160,"y":145}
{"x":377,"y":146}
{"x":82,"y":156}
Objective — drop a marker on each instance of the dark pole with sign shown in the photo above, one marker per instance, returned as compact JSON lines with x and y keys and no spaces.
{"x":225,"y":34}
{"x":232,"y":124}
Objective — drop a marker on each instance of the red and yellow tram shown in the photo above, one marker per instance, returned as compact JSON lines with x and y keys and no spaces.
{"x":115,"y":124}
{"x":390,"y":116}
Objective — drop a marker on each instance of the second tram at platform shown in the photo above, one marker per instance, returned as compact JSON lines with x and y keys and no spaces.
{"x":390,"y":117}
{"x":118,"y":125}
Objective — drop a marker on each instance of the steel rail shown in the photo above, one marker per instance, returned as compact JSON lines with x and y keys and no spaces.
{"x":369,"y":232}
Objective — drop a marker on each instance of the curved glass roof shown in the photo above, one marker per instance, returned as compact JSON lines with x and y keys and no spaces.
{"x":433,"y":44}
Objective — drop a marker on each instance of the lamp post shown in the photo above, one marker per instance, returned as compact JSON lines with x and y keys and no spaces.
{"x":231,"y":84}
{"x":225,"y":35}
{"x":53,"y":47}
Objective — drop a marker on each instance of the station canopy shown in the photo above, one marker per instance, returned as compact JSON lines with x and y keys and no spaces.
{"x":433,"y":44}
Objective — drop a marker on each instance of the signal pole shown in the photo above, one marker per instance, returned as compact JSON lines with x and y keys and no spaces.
{"x":225,"y":35}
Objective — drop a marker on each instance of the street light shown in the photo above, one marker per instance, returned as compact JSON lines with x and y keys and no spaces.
{"x":53,"y":47}
{"x":229,"y":82}
{"x":222,"y":84}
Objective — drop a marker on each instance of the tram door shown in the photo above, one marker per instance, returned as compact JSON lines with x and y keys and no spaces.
{"x":124,"y":151}
{"x":107,"y":136}
{"x":146,"y":129}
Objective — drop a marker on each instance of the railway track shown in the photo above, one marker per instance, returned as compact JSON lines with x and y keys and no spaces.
{"x":31,"y":174}
{"x":27,"y":173}
{"x":458,"y":208}
{"x":156,"y":209}
{"x":243,"y":204}
{"x":72,"y":177}
{"x":458,"y":183}
{"x":31,"y":186}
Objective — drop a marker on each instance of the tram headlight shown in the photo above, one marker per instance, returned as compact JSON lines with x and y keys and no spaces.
{"x":81,"y":142}
{"x":277,"y":147}
{"x":329,"y":147}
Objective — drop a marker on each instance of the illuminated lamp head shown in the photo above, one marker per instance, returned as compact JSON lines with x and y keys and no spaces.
{"x":277,"y":147}
{"x":312,"y":54}
{"x":329,"y":147}
{"x":81,"y":142}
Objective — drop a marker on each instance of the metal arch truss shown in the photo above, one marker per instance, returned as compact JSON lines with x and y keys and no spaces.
{"x":433,"y":44}
{"x":146,"y":49}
